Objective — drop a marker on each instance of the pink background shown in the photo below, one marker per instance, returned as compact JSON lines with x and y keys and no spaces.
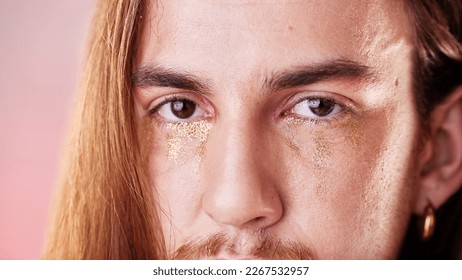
{"x":41,"y":48}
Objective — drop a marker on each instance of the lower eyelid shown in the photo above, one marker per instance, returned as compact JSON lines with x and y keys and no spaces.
{"x":200,"y":102}
{"x":306,"y":99}
{"x":198,"y":115}
{"x":293,"y":118}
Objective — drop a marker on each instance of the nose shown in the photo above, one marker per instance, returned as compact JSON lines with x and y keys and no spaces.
{"x":239,"y":188}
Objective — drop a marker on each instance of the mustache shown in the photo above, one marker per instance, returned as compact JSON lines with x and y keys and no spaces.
{"x":267,"y":248}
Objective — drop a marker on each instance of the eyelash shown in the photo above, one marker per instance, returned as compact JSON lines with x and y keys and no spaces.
{"x":172,"y":98}
{"x":165,"y":100}
{"x":164,"y":110}
{"x":345,"y":107}
{"x":290,"y":104}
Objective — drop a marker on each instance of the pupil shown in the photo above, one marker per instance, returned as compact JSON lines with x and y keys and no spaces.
{"x":183,"y":109}
{"x":321,"y":107}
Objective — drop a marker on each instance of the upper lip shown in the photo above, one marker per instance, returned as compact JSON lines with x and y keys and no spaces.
{"x":233,"y":257}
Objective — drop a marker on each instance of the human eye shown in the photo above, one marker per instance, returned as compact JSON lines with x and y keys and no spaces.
{"x":316,"y":108}
{"x":178,"y":109}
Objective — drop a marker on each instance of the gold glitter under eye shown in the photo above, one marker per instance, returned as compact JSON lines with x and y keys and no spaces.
{"x":184,"y":133}
{"x":292,"y":138}
{"x":323,"y":149}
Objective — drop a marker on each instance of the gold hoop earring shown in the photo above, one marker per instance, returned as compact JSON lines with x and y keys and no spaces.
{"x":428,"y":222}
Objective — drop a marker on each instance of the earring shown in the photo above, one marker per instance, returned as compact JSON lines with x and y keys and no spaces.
{"x":428,"y":222}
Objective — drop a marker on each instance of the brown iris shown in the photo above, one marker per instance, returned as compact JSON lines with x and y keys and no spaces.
{"x":183,"y":109}
{"x":321,"y":107}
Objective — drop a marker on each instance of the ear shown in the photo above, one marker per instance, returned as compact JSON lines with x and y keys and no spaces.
{"x":441,"y":159}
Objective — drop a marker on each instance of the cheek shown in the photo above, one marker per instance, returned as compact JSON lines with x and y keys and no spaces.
{"x":350,"y":181}
{"x":175,"y":158}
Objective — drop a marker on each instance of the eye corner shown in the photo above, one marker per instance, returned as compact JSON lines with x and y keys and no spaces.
{"x":189,"y":108}
{"x":316,"y":107}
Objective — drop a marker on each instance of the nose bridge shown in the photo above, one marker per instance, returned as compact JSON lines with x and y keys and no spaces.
{"x":238,"y":189}
{"x":237,"y":151}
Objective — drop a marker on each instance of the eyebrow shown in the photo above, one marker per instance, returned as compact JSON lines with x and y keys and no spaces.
{"x":158,"y":76}
{"x":307,"y":75}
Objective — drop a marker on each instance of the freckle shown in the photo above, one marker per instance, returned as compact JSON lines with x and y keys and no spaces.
{"x":291,"y":28}
{"x":396,"y":82}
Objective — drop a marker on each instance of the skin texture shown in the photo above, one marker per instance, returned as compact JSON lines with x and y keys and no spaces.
{"x":254,"y":163}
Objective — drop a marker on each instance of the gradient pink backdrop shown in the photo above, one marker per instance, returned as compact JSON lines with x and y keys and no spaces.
{"x":41,"y":48}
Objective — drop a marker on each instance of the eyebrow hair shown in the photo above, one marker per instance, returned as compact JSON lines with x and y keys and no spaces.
{"x":157,"y":76}
{"x":306,"y":75}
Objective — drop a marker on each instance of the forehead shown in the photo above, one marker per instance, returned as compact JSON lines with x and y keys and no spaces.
{"x":244,"y":35}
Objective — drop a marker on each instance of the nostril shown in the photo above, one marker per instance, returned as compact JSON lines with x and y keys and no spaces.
{"x":258,"y":219}
{"x":260,"y":222}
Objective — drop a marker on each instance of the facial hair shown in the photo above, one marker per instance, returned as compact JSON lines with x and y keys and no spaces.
{"x":267,"y":248}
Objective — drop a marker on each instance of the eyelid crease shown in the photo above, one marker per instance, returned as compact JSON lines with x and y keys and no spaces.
{"x":165,"y":100}
{"x":338,"y":99}
{"x":151,"y":113}
{"x":346,"y":108}
{"x":336,"y":102}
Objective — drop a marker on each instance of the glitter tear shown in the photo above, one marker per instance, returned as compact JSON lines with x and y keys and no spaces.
{"x":187,"y":132}
{"x":322,"y":150}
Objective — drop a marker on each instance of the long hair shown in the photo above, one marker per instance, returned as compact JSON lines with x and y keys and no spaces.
{"x":437,"y":72}
{"x":437,"y":28}
{"x":105,"y":207}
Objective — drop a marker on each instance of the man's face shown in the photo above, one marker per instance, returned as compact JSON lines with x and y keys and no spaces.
{"x":279,"y":129}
